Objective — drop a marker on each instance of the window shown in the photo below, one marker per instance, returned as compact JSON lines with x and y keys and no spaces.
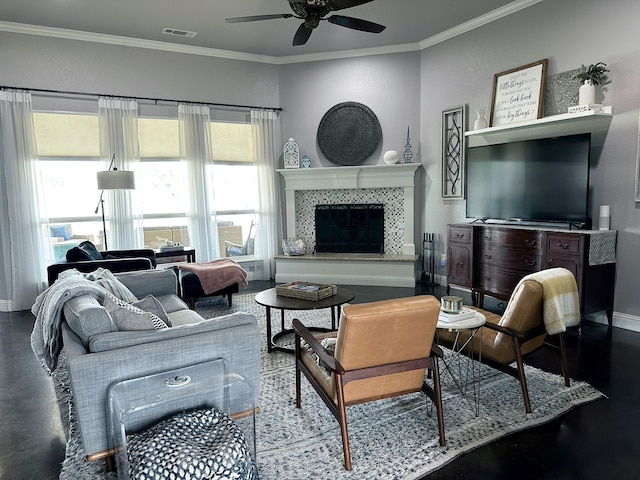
{"x":68,"y":147}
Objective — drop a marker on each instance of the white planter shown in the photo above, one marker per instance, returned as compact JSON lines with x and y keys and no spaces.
{"x":587,"y":93}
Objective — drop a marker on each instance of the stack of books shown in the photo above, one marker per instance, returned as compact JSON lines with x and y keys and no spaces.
{"x":464,"y":314}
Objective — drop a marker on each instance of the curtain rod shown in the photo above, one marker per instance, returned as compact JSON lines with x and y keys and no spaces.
{"x":149,"y":99}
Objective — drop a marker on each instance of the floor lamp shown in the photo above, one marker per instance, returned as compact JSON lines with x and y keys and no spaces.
{"x":113,"y":179}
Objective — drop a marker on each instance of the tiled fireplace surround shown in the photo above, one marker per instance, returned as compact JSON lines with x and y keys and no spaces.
{"x":391,"y":185}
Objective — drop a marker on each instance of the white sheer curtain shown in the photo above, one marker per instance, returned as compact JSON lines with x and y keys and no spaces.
{"x":22,"y":248}
{"x":119,"y":136}
{"x":195,"y":151}
{"x":266,"y":145}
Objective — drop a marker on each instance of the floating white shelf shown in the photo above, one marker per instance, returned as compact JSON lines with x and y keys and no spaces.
{"x":551,"y":126}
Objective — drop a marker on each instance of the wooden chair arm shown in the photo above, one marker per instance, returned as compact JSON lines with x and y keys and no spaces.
{"x":436,"y":351}
{"x":324,"y":356}
{"x":523,"y":336}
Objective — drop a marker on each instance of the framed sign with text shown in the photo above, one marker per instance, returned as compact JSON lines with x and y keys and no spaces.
{"x":517,"y":94}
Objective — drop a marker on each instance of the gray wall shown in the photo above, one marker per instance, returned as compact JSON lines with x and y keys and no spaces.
{"x":58,"y":64}
{"x":569,"y":33}
{"x":389,"y":85}
{"x":409,"y":89}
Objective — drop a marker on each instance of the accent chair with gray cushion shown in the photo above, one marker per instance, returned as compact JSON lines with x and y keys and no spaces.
{"x":157,"y":333}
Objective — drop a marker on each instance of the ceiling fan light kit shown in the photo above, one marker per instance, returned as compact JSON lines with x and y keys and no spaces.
{"x":314,"y":11}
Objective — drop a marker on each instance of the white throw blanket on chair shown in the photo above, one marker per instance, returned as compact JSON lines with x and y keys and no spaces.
{"x":561,"y":305}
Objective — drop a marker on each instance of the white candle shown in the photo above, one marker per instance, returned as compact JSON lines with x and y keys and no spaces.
{"x":605,"y":212}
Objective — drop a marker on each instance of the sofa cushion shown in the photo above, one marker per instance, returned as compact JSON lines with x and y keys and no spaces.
{"x":84,"y":252}
{"x":91,"y":250}
{"x":86,"y":317}
{"x":150,"y":282}
{"x":112,"y":340}
{"x":127,"y":317}
{"x":172,"y":303}
{"x":153,"y":305}
{"x":76,"y":254}
{"x":184,"y":317}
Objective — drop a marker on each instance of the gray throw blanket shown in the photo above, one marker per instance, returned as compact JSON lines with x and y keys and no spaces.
{"x":46,"y":337}
{"x":107,"y":280}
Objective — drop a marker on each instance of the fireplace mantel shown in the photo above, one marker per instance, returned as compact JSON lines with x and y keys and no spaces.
{"x":399,"y":266}
{"x":364,"y":176}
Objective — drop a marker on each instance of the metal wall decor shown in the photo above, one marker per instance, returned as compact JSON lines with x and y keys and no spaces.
{"x":349,"y":133}
{"x":453,"y":152}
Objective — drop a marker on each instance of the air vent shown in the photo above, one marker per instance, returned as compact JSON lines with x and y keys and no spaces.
{"x":179,"y":33}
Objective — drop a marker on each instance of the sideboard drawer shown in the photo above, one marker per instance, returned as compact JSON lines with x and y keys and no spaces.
{"x":564,"y":244}
{"x":460,"y":234}
{"x":522,"y":260}
{"x":527,"y":239}
{"x":497,"y":280}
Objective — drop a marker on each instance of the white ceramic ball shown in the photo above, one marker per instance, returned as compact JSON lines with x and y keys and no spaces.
{"x":391,"y":157}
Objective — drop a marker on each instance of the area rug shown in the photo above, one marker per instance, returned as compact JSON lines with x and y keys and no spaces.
{"x":390,"y":439}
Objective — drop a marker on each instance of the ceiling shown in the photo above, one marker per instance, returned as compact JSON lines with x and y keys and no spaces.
{"x":411,"y":24}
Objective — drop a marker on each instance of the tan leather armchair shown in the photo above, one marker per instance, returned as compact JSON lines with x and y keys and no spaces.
{"x":382,"y":349}
{"x":507,"y":338}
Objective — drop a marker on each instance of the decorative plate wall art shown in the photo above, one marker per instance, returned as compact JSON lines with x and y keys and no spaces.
{"x":349,"y":133}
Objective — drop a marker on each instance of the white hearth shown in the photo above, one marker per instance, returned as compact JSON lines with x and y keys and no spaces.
{"x":393,"y":185}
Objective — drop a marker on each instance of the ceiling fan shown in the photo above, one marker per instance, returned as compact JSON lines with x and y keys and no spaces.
{"x":312,"y":12}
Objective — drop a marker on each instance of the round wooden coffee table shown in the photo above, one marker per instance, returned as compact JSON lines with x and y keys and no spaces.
{"x":269,"y":299}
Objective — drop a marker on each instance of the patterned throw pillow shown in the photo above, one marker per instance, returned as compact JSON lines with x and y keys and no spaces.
{"x":127,"y":317}
{"x":204,"y":444}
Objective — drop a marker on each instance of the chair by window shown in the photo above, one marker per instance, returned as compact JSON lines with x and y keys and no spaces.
{"x":235,"y":250}
{"x":381,"y":350}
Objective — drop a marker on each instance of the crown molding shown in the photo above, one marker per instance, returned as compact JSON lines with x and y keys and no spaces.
{"x":478,"y":22}
{"x":131,"y":42}
{"x":492,"y":16}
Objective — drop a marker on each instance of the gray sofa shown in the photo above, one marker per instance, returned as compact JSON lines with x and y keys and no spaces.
{"x":99,"y":355}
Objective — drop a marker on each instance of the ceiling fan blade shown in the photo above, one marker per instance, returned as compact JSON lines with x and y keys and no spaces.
{"x":340,"y":4}
{"x":257,"y":18}
{"x":302,"y":35}
{"x":356,"y":23}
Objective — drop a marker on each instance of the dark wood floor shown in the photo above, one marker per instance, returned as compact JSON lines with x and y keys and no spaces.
{"x":594,"y":441}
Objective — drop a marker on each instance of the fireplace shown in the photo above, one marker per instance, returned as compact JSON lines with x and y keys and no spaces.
{"x":349,"y":228}
{"x":393,"y":186}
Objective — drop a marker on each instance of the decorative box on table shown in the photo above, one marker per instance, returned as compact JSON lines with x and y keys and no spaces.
{"x":306,"y":290}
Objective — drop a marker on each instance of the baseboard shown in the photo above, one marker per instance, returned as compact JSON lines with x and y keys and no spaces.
{"x":620,"y":320}
{"x":6,"y":306}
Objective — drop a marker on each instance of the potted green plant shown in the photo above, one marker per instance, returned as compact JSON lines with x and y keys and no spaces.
{"x":594,"y":74}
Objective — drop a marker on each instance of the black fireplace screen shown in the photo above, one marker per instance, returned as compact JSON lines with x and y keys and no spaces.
{"x":350,"y":228}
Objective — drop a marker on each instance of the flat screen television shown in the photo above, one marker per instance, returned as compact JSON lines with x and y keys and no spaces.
{"x":543,"y":180}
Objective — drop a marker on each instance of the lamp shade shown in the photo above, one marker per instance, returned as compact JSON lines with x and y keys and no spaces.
{"x":116,"y":180}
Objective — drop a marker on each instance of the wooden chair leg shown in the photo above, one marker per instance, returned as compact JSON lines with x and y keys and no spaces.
{"x":298,"y":376}
{"x":521,"y":377}
{"x":563,"y":359}
{"x":342,"y":419}
{"x":110,"y":463}
{"x":439,"y":410}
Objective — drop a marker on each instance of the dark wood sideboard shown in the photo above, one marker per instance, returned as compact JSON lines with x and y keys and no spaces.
{"x":490,"y":259}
